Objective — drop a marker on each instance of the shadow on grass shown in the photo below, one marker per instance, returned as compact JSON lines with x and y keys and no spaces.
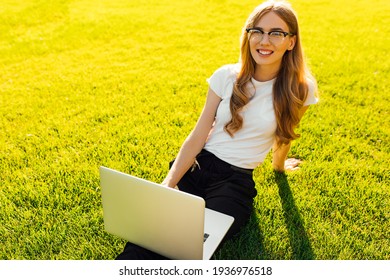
{"x":299,"y":241}
{"x":249,"y":244}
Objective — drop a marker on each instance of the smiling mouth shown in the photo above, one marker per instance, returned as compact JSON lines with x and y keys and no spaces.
{"x":265,"y":52}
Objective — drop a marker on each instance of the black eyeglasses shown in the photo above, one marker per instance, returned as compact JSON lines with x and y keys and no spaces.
{"x":275,"y":36}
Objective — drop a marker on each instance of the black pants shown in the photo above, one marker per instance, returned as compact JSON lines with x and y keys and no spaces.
{"x":225,"y":188}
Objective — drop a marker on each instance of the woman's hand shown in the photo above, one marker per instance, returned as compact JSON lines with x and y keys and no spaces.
{"x":292,"y":164}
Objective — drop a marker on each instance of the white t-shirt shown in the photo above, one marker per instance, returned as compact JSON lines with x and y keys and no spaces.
{"x":251,"y":144}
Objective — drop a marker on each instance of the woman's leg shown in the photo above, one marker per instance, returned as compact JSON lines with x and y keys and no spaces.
{"x":234,"y":198}
{"x":225,"y":188}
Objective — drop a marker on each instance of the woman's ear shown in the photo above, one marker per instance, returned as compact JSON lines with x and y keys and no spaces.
{"x":293,"y":40}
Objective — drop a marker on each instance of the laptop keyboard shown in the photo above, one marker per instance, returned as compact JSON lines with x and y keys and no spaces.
{"x":205,"y":236}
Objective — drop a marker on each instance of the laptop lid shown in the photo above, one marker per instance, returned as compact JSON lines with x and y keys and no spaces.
{"x":164,"y":220}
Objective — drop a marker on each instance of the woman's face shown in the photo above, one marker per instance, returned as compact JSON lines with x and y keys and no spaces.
{"x":266,"y":51}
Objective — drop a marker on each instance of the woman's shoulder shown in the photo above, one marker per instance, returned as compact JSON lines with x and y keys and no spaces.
{"x":221,"y":81}
{"x":311,"y":84}
{"x":232,"y":67}
{"x":312,"y":95}
{"x":228,"y":71}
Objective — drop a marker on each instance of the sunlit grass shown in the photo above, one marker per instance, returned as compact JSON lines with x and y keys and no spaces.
{"x":121,"y":83}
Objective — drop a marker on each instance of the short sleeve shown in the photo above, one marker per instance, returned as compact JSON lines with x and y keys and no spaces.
{"x":311,"y":96}
{"x":221,"y":81}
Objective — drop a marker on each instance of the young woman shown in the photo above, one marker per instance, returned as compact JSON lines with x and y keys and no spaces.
{"x":251,"y":107}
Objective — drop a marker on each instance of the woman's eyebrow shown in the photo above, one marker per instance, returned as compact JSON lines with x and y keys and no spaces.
{"x":272,"y":29}
{"x":276,"y":29}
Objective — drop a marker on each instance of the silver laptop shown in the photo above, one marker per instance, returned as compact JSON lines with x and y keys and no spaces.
{"x":164,"y":220}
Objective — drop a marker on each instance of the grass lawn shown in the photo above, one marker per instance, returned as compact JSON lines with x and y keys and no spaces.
{"x":121,"y":83}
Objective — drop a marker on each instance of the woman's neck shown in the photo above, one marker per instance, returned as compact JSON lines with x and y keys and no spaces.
{"x":263,"y":74}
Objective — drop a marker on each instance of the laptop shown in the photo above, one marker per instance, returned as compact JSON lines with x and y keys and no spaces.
{"x":164,"y":220}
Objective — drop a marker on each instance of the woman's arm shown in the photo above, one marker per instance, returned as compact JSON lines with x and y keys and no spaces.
{"x":194,"y":142}
{"x":279,"y":156}
{"x":280,"y":162}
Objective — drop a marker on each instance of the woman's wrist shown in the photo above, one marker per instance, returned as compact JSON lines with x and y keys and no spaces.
{"x":278,"y":168}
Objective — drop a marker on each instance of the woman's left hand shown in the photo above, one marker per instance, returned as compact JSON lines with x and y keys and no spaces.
{"x":292,"y":164}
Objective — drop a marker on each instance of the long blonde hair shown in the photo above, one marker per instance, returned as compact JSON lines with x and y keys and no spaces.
{"x":290,"y":88}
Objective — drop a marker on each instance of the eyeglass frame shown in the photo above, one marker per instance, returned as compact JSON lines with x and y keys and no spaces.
{"x":285,"y":34}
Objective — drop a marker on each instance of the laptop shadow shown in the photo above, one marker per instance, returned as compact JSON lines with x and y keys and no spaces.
{"x":249,"y":244}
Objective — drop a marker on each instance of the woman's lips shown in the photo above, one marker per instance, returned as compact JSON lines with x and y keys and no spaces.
{"x":265,"y":52}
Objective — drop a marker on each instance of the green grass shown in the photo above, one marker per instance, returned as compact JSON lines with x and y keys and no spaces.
{"x":121,"y":83}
